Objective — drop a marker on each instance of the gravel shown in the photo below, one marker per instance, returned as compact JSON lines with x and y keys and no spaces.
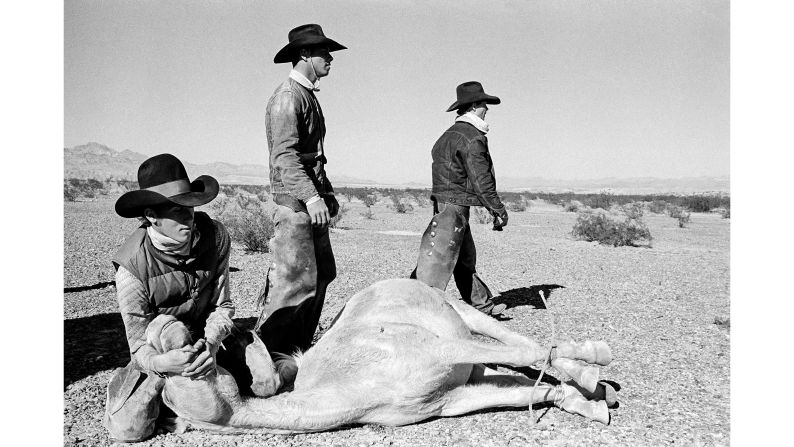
{"x":656,"y":307}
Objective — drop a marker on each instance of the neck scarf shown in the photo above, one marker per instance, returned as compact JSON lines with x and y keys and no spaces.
{"x":169,"y":246}
{"x":474,"y":120}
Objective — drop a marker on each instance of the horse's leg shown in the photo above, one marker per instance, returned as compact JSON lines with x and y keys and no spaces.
{"x":489,"y":394}
{"x":482,"y":374}
{"x":592,"y":352}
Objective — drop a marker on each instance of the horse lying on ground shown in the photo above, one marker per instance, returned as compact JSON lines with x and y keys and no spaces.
{"x":399,"y":352}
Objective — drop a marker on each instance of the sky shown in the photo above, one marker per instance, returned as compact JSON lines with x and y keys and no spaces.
{"x":589,"y":88}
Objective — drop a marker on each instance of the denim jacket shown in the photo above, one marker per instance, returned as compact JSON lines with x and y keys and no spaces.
{"x":463,"y":172}
{"x":295,"y":132}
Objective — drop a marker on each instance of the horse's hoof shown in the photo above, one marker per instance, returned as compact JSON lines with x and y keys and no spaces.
{"x":584,"y":375}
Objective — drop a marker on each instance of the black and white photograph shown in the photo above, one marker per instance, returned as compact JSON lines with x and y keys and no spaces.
{"x":396,"y":223}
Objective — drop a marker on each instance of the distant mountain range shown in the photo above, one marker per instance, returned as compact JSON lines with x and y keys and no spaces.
{"x":97,"y":161}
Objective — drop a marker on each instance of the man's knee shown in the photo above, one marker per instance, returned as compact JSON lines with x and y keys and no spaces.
{"x":132,"y":405}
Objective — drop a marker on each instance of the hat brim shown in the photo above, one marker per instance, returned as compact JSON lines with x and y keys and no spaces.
{"x":480,"y":97}
{"x":285,"y":54}
{"x":202,"y":191}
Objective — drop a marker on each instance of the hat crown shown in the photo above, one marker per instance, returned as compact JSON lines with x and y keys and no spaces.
{"x":303,"y":31}
{"x":467,"y":88}
{"x":160,"y":169}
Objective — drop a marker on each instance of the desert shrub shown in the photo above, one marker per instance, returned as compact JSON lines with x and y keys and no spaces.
{"x":726,"y":213}
{"x":517,"y":205}
{"x":70,"y":193}
{"x":634,"y":210}
{"x":482,"y":215}
{"x":399,"y":204}
{"x":368,"y":213}
{"x":572,"y":206}
{"x":228,"y":190}
{"x":610,"y":230}
{"x":340,"y":214}
{"x":679,"y":213}
{"x":74,"y":188}
{"x":220,"y":205}
{"x":603,"y":200}
{"x":658,"y":207}
{"x":420,"y":196}
{"x":703,"y":203}
{"x":723,"y":321}
{"x":256,"y":190}
{"x":248,"y":223}
{"x":369,"y":200}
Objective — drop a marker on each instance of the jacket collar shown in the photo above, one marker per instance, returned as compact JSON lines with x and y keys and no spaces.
{"x":474,"y":120}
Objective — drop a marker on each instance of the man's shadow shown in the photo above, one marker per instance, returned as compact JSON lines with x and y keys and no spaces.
{"x":527,"y":296}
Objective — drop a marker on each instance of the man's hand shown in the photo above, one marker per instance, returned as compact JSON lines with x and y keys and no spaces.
{"x":499,"y":219}
{"x":319,"y":213}
{"x":175,"y":361}
{"x":204,"y":363}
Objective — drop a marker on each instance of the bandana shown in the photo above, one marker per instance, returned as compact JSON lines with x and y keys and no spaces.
{"x":474,"y":120}
{"x":169,"y":246}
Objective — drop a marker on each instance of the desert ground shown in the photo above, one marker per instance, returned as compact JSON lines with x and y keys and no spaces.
{"x":655,"y":306}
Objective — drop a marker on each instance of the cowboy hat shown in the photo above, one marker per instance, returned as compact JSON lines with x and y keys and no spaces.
{"x":471,"y":92}
{"x":162,"y":179}
{"x":305,"y":36}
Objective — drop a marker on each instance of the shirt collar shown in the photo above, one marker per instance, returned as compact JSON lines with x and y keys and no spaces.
{"x":303,"y":80}
{"x":474,"y":120}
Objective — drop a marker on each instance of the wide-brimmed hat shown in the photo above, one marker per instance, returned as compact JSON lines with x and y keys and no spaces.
{"x":471,"y":92}
{"x":162,"y":179}
{"x":305,"y":36}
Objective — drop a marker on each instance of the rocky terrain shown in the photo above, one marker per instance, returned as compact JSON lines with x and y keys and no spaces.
{"x":662,"y":310}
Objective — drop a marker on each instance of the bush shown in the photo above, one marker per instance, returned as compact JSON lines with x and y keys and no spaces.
{"x":482,"y":215}
{"x":249,"y":223}
{"x":679,"y":213}
{"x":368,"y":214}
{"x":634,"y":210}
{"x":334,"y":223}
{"x":572,"y":206}
{"x":228,"y":190}
{"x":603,"y":200}
{"x":75,"y":188}
{"x":608,"y":230}
{"x":399,"y":204}
{"x":658,"y":207}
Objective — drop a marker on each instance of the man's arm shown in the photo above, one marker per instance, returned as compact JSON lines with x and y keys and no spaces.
{"x":282,"y":127}
{"x":134,"y":309}
{"x":479,"y":169}
{"x":219,"y":322}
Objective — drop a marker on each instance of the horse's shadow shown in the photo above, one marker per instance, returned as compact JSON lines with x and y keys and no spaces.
{"x":527,"y":296}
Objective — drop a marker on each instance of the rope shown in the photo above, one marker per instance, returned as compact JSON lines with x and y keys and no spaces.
{"x":546,"y":361}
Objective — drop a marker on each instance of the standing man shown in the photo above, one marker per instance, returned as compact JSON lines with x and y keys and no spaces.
{"x":303,"y":262}
{"x":463,"y":176}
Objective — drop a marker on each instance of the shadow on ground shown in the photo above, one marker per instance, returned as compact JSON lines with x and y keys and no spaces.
{"x":98,"y":343}
{"x":527,"y":296}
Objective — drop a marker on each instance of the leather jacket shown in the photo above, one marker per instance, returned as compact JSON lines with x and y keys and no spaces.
{"x":295,"y":133}
{"x":463,"y":173}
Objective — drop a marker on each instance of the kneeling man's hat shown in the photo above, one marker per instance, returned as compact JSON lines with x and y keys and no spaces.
{"x":471,"y":92}
{"x":162,"y":180}
{"x":305,"y":36}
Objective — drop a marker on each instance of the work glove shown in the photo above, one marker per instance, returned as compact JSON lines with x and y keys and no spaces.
{"x":499,"y":218}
